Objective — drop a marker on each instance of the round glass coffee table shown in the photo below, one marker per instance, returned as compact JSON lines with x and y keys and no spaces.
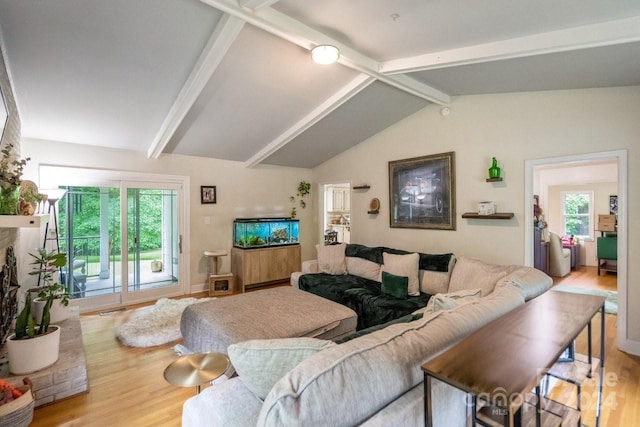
{"x":193,"y":370}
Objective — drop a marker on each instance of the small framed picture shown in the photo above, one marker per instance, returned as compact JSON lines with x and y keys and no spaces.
{"x":207,"y":194}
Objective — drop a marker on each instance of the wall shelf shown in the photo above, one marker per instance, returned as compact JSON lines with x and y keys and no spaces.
{"x":499,"y":215}
{"x":23,"y":221}
{"x":361,"y":187}
{"x":494,"y":179}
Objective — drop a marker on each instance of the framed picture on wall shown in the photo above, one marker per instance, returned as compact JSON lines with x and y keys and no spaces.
{"x":207,"y":194}
{"x":422,"y":192}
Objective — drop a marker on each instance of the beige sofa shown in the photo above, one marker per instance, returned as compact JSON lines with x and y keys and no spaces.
{"x":371,"y":380}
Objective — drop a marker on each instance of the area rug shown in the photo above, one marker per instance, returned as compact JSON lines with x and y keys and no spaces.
{"x":155,"y":325}
{"x":610,"y":305}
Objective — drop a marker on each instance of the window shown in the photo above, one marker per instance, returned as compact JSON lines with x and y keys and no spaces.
{"x":577,"y":213}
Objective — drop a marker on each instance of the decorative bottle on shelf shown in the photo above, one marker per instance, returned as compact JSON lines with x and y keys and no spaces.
{"x":494,"y":170}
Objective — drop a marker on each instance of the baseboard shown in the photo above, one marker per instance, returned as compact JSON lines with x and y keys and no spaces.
{"x":629,"y":346}
{"x":201,"y":287}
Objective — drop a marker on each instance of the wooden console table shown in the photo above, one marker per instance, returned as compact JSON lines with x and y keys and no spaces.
{"x":502,"y":362}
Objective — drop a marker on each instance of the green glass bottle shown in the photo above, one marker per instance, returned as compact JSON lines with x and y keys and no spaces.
{"x":494,"y":170}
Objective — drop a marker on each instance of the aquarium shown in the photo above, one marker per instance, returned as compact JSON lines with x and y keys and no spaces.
{"x":265,"y":232}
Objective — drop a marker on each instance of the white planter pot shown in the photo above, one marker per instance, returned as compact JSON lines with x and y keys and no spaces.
{"x":34,"y":354}
{"x":58,"y":312}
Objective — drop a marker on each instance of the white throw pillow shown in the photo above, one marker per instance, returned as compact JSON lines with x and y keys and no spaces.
{"x":403,"y":265}
{"x":261,"y":363}
{"x":472,"y":274}
{"x":331,"y":259}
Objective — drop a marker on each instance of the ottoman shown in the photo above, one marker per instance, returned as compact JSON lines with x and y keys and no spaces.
{"x":282,"y":312}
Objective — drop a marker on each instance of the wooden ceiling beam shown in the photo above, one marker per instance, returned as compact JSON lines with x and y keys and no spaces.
{"x":216,"y":48}
{"x":588,"y":36}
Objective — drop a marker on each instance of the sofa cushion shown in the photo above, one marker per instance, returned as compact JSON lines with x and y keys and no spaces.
{"x":448,"y":301}
{"x":331,"y":259}
{"x":404,"y":265}
{"x":347,"y":384}
{"x":529,"y":281}
{"x":363,"y":268}
{"x":261,"y":363}
{"x":471,"y":273}
{"x":435,"y":281}
{"x":395,"y":286}
{"x":228,"y":404}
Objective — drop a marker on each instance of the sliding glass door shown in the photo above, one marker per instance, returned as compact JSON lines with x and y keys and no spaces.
{"x":123,"y":242}
{"x":153,"y":241}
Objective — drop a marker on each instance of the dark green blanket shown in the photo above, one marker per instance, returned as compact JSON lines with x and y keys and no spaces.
{"x":437,"y":262}
{"x":363,"y":296}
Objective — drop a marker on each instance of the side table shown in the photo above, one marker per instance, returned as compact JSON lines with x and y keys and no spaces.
{"x":193,"y":370}
{"x":575,"y":255}
{"x":497,"y":368}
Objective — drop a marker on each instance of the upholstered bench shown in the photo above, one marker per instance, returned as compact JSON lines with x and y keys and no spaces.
{"x":282,"y":312}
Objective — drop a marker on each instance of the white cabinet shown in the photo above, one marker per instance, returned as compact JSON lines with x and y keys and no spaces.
{"x":339,"y":200}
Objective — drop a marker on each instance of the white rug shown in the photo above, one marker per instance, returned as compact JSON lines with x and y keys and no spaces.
{"x":156,"y":325}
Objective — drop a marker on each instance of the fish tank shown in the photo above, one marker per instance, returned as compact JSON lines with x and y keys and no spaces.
{"x":249,"y":233}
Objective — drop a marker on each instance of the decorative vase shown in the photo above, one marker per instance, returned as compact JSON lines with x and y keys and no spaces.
{"x":494,"y":170}
{"x":33,"y":354}
{"x":9,"y":200}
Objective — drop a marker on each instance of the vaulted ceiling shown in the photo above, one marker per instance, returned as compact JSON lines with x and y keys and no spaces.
{"x":234,"y":79}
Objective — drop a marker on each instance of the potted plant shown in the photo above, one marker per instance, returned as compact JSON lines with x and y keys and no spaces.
{"x":45,"y":265}
{"x":10,"y":178}
{"x":32,"y":348}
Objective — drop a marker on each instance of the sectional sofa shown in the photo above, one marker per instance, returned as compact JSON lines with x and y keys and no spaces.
{"x":375,"y":378}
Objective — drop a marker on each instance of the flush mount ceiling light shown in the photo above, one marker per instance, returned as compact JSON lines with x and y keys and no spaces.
{"x":325,"y":54}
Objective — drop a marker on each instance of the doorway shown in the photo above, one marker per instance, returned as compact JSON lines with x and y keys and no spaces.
{"x":337,"y":212}
{"x":620,"y":157}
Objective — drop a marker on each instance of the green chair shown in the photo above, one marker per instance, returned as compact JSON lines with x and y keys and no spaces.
{"x":607,"y":250}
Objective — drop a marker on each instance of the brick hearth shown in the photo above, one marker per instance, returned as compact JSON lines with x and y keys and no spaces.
{"x":68,"y":376}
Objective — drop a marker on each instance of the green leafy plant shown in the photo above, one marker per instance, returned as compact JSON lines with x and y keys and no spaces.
{"x":45,"y":264}
{"x":11,"y":168}
{"x":304,"y":188}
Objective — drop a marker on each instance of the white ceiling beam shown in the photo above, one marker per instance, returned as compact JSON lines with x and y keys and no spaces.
{"x":216,"y":48}
{"x":256,"y":4}
{"x":336,"y":100}
{"x":285,"y":27}
{"x":588,"y":36}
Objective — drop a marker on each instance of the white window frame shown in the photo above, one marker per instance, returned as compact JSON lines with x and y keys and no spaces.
{"x":590,"y":214}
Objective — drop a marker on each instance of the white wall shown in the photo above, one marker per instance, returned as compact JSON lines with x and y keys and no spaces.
{"x":514,"y":128}
{"x":241,"y":192}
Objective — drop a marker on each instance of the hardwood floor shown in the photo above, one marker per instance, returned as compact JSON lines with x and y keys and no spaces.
{"x":127,"y":387}
{"x":587,"y":277}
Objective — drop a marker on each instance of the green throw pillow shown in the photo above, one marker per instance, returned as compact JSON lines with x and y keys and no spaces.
{"x":395,"y":286}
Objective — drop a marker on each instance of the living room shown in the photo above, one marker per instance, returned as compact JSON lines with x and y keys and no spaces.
{"x":519,"y":127}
